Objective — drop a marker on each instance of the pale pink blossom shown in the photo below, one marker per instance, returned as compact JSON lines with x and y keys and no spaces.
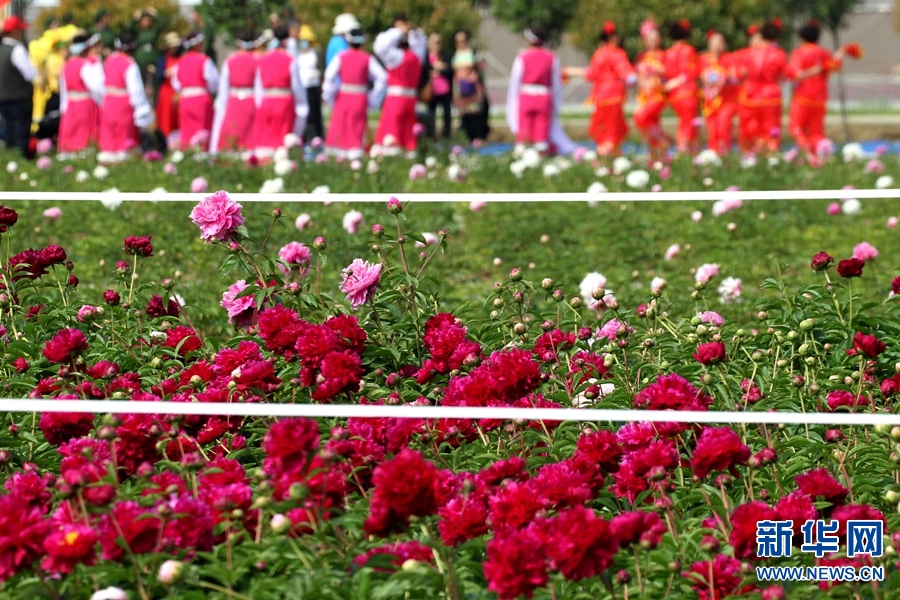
{"x":892,"y":222}
{"x":665,"y":173}
{"x":87,"y":312}
{"x":321,"y":159}
{"x":218,"y":217}
{"x":456,"y":150}
{"x":360,"y":280}
{"x":477,"y":205}
{"x":696,"y":216}
{"x":834,"y":208}
{"x":170,"y":169}
{"x":418,"y":129}
{"x":610,"y":328}
{"x":316,"y":142}
{"x":302,"y":221}
{"x":729,"y":289}
{"x":865,"y":251}
{"x":874,"y":166}
{"x":44,"y":163}
{"x":201,"y":138}
{"x":44,"y":146}
{"x":706,"y":272}
{"x":417,"y":171}
{"x":881,"y":149}
{"x":672,"y":251}
{"x":53,"y":213}
{"x":578,"y":154}
{"x":238,"y":308}
{"x":353,"y":220}
{"x":825,"y":148}
{"x":711,"y":317}
{"x":297,"y":255}
{"x":430,"y":240}
{"x":656,"y":188}
{"x":199,"y":185}
{"x":790,"y":155}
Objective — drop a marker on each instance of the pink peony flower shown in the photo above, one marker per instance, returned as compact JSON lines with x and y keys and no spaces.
{"x":874,"y":166}
{"x":611,"y":328}
{"x":477,"y":205}
{"x":316,"y":142}
{"x":864,"y":251}
{"x":199,"y":185}
{"x":53,"y":213}
{"x":825,"y":148}
{"x":672,"y":251}
{"x":456,"y":150}
{"x":170,"y":169}
{"x":360,"y":280}
{"x":321,"y":159}
{"x":218,"y":217}
{"x":706,"y":272}
{"x":834,"y":208}
{"x":201,"y":138}
{"x":44,"y":146}
{"x":417,"y":171}
{"x":892,"y":222}
{"x":578,"y":154}
{"x":68,"y":169}
{"x":44,"y":163}
{"x":665,"y":173}
{"x":712,"y":318}
{"x":302,"y":221}
{"x":655,"y":188}
{"x":87,"y":312}
{"x":418,"y":129}
{"x":790,"y":155}
{"x":881,"y":149}
{"x":237,"y":307}
{"x":353,"y":220}
{"x":297,"y":254}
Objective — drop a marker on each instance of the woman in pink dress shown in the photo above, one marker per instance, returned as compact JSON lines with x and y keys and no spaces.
{"x":401,"y":50}
{"x":280,"y":96}
{"x":535,"y":92}
{"x":196,"y":78}
{"x":235,"y":103}
{"x":346,"y":84}
{"x":125,"y":105}
{"x":80,"y":97}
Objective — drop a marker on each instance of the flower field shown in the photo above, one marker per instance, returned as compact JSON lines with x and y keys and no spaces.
{"x":683,"y":306}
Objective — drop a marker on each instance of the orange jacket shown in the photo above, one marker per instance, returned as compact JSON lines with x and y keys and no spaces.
{"x":811,"y":89}
{"x":609,"y":72}
{"x":763,"y":67}
{"x":651,"y":73}
{"x":681,"y":59}
{"x":719,"y":79}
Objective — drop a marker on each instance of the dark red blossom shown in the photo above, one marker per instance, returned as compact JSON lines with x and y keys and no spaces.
{"x":638,"y":526}
{"x":710,"y":353}
{"x":842,"y":398}
{"x":796,"y":507}
{"x":821,"y":261}
{"x":22,"y":532}
{"x":515,"y":565}
{"x":851,"y":267}
{"x":743,"y":527}
{"x":446,"y":341}
{"x":184,"y":339}
{"x":111,"y":297}
{"x":138,"y":245}
{"x":156,"y":308}
{"x":279,"y":327}
{"x":856,"y":512}
{"x":8,"y":218}
{"x":463,"y":518}
{"x":69,"y":545}
{"x":718,"y":449}
{"x":289,"y":444}
{"x":340,"y":372}
{"x":891,"y":386}
{"x":868,"y":345}
{"x":514,"y":505}
{"x":672,"y":392}
{"x":65,"y":346}
{"x":130,"y":525}
{"x":895,"y":285}
{"x":400,"y":551}
{"x":600,"y":448}
{"x":404,"y":488}
{"x":54,"y":255}
{"x":59,"y":427}
{"x":718,"y":578}
{"x":578,"y":543}
{"x":548,"y":345}
{"x":820,"y":483}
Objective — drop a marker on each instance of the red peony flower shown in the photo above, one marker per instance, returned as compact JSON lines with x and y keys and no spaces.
{"x":513,"y":505}
{"x":796,"y":507}
{"x":710,"y":353}
{"x":821,"y":262}
{"x":638,"y":526}
{"x":404,"y":487}
{"x":156,"y":308}
{"x":289,"y":445}
{"x":891,"y":386}
{"x":400,"y":551}
{"x":548,"y":345}
{"x":69,"y":545}
{"x":129,"y":524}
{"x":54,"y":255}
{"x":340,"y":372}
{"x":463,"y":518}
{"x":743,"y":527}
{"x":111,"y":297}
{"x":59,"y":427}
{"x":672,"y":392}
{"x":718,"y":578}
{"x":578,"y":543}
{"x":184,"y":339}
{"x":515,"y":564}
{"x":851,"y":267}
{"x":279,"y":327}
{"x":868,"y":345}
{"x":719,"y":449}
{"x":138,"y":245}
{"x":8,"y":218}
{"x":820,"y":483}
{"x":65,"y":346}
{"x":856,"y":512}
{"x":895,"y":285}
{"x":22,"y":532}
{"x":600,"y":448}
{"x":839,"y":398}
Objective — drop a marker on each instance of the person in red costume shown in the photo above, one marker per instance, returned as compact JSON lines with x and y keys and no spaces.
{"x":720,"y":92}
{"x":764,"y":67}
{"x":610,"y":73}
{"x":809,"y":67}
{"x":681,"y":86}
{"x":651,"y":93}
{"x":739,"y":60}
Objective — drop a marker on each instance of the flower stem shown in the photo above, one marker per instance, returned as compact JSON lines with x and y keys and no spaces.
{"x":133,"y":279}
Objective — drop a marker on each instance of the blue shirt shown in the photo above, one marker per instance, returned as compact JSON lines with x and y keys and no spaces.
{"x":336,"y":45}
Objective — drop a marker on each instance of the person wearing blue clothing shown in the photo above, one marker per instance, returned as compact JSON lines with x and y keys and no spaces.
{"x":343,"y":24}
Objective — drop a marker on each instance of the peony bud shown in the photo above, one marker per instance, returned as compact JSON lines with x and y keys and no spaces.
{"x":597,"y":293}
{"x":519,"y":328}
{"x":320,"y":244}
{"x":394,"y":206}
{"x":575,"y":302}
{"x":546,"y":283}
{"x":171,"y":572}
{"x":806,"y":324}
{"x":559,"y":296}
{"x":515,"y":274}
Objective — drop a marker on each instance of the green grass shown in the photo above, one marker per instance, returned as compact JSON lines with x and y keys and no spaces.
{"x":624,"y":241}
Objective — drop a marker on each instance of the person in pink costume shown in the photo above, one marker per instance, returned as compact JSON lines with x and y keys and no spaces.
{"x":126,"y":109}
{"x":280,"y":96}
{"x":235,"y":107}
{"x":195,"y":78}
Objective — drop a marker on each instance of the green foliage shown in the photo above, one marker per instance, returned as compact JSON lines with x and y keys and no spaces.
{"x":232,"y":16}
{"x":554,"y":15}
{"x":121,"y":13}
{"x":445,"y":18}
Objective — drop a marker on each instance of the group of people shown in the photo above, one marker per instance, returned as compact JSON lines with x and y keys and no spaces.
{"x":715,"y":88}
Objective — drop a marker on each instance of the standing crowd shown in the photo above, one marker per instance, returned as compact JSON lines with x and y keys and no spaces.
{"x":127,"y":92}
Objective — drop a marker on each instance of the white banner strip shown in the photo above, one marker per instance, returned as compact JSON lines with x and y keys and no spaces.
{"x":487,"y":197}
{"x":441,"y":412}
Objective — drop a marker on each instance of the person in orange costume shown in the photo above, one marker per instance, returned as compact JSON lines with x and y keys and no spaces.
{"x":810,"y":66}
{"x":651,"y":95}
{"x":764,"y":67}
{"x":681,"y":88}
{"x":739,"y":61}
{"x":610,"y":73}
{"x":720,"y":92}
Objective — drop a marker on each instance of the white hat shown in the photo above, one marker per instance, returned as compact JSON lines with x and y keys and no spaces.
{"x":344,"y":23}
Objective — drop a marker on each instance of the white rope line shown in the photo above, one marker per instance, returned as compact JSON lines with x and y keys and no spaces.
{"x":861,"y":194}
{"x":441,"y":412}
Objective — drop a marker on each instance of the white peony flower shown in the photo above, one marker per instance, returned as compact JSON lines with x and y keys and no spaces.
{"x":587,"y":286}
{"x":851,"y":206}
{"x":280,"y":154}
{"x":620,"y":165}
{"x":852,"y":152}
{"x":601,"y":171}
{"x":101,"y":172}
{"x":12,"y":166}
{"x":291,"y":140}
{"x":177,"y":156}
{"x":658,"y":284}
{"x":637,"y":179}
{"x":696,"y":216}
{"x":82,"y":176}
{"x":272,"y":186}
{"x":518,"y":168}
{"x":322,"y":189}
{"x":285,"y":166}
{"x":372,"y":167}
{"x":110,"y":199}
{"x":110,"y":593}
{"x":773,"y":161}
{"x":551,"y":170}
{"x":729,"y":289}
{"x":23,"y":176}
{"x":708,"y":158}
{"x":748,"y":161}
{"x":455,"y":172}
{"x":430,"y":162}
{"x":531,"y":158}
{"x":884,"y":182}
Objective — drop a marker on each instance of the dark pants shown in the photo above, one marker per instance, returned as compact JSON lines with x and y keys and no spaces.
{"x":48,"y":128}
{"x":314,"y":119}
{"x":445,"y":101}
{"x":17,"y":118}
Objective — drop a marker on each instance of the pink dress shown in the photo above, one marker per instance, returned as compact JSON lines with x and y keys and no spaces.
{"x":118,"y":133}
{"x":276,"y":115}
{"x":79,"y":124}
{"x":234,"y":128}
{"x":535,"y":98}
{"x":195,"y":106}
{"x":398,"y":115}
{"x":347,"y":129}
